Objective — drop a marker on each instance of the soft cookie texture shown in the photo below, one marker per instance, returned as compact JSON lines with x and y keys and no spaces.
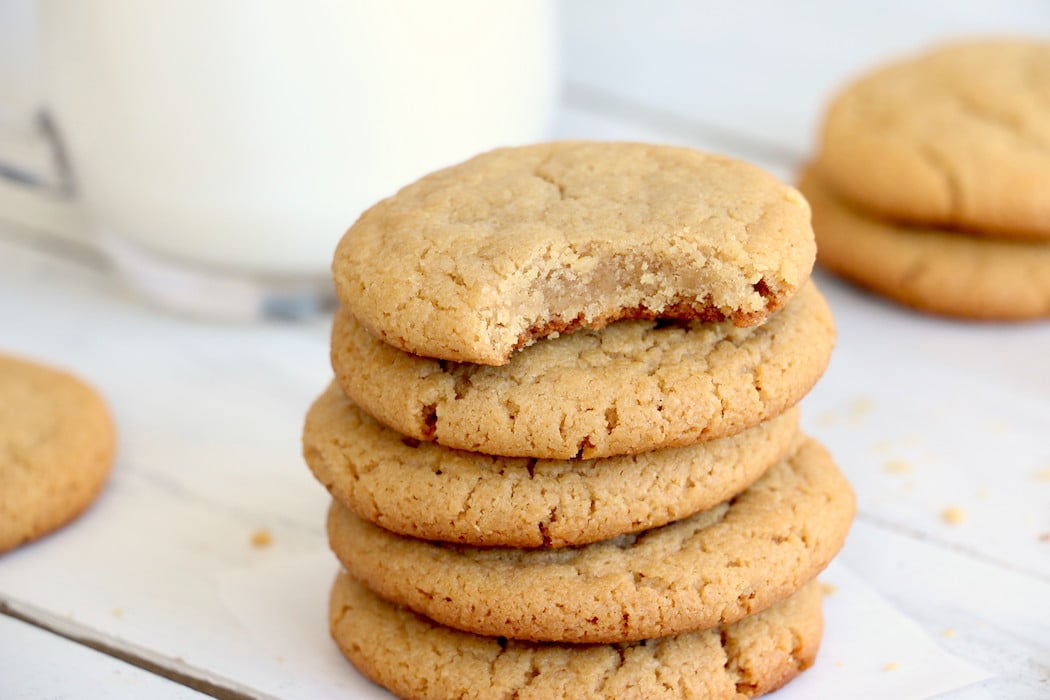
{"x":630,"y":387}
{"x":712,"y":568}
{"x":431,"y":492}
{"x":958,"y":137}
{"x":937,"y":271}
{"x":56,"y":449}
{"x":477,"y":260}
{"x":421,"y":660}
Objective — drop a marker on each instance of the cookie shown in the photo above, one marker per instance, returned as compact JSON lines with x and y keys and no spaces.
{"x":712,"y":568}
{"x":475,"y":261}
{"x":417,"y":658}
{"x":937,"y":271}
{"x":427,"y":491}
{"x":630,"y":387}
{"x":56,"y":449}
{"x":956,"y":138}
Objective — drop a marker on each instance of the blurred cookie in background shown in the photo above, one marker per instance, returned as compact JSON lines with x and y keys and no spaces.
{"x":936,"y":270}
{"x":929,"y":185}
{"x":56,"y":448}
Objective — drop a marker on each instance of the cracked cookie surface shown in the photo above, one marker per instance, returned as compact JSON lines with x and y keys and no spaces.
{"x":958,"y":137}
{"x":943,"y":272}
{"x":427,"y":491}
{"x":475,"y":261}
{"x":630,"y":387}
{"x":56,"y":449}
{"x":419,"y":659}
{"x":712,"y":568}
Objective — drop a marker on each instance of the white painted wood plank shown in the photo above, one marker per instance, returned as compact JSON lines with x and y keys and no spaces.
{"x":941,"y":427}
{"x":996,"y":618}
{"x":36,"y":664}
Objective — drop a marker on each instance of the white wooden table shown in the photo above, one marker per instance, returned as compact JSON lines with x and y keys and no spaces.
{"x":162,"y":580}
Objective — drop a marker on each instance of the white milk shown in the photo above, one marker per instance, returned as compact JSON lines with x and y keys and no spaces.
{"x":249,"y":134}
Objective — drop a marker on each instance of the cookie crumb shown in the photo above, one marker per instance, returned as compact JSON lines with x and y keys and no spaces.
{"x":828,"y":588}
{"x":953,"y":515}
{"x":1044,"y":537}
{"x":261,"y":538}
{"x":118,"y":612}
{"x":860,"y":409}
{"x":1042,"y":475}
{"x":890,"y":667}
{"x":948,"y":632}
{"x":828,"y":420}
{"x":884,"y":446}
{"x":897,"y":466}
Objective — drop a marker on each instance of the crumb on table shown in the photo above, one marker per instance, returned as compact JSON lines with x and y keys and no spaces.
{"x":261,"y":538}
{"x":953,"y":515}
{"x":897,"y":466}
{"x":859,"y":409}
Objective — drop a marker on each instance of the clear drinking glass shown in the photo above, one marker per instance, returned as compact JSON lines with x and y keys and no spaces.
{"x":218,"y":149}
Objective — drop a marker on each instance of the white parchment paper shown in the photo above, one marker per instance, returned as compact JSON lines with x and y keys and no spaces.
{"x":870,"y":650}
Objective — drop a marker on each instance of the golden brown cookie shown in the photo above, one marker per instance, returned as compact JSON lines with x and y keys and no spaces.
{"x":630,"y":387}
{"x":56,"y":449}
{"x":477,"y":260}
{"x":419,"y":659}
{"x":938,"y":271}
{"x":427,"y":491}
{"x":712,"y":568}
{"x":956,"y":137}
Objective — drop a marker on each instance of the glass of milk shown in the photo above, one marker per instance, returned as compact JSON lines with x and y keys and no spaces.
{"x":220,"y":148}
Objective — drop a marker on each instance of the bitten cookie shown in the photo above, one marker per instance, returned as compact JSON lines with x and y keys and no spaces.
{"x":431,"y":492}
{"x":56,"y":449}
{"x":958,"y":137}
{"x":630,"y":387}
{"x":937,"y":271}
{"x":419,"y":659}
{"x":712,"y":568}
{"x":477,"y":260}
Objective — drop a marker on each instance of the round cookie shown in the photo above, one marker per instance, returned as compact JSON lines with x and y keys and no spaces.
{"x":630,"y":387}
{"x":419,"y":659}
{"x":475,"y":261}
{"x":957,"y":137}
{"x":938,"y":271}
{"x":427,"y":491}
{"x":56,"y":449}
{"x":712,"y":568}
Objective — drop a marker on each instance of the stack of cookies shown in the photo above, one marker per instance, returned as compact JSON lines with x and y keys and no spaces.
{"x":931,"y":185}
{"x":563,"y":445}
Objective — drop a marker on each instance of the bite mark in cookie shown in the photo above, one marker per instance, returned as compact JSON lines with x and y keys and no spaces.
{"x":485,"y":257}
